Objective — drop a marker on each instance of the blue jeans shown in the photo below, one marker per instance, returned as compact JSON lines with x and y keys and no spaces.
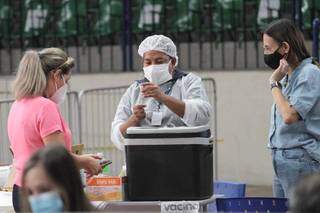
{"x":290,"y":165}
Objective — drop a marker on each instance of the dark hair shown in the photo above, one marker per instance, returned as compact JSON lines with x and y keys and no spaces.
{"x":284,"y":30}
{"x":306,"y":195}
{"x":61,"y":168}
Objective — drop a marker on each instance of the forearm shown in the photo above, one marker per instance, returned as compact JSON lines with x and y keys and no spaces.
{"x":78,"y":160}
{"x":287,"y":112}
{"x":174,"y":105}
{"x":129,"y":123}
{"x":88,"y":162}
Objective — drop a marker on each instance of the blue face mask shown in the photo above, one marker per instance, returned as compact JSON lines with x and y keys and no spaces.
{"x":49,"y":202}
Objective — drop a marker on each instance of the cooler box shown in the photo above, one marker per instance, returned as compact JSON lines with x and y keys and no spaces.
{"x":169,"y":163}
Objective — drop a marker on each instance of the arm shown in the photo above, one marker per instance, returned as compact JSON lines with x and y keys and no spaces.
{"x":129,"y":123}
{"x":198,"y":109}
{"x":173,"y":104}
{"x":125,"y":118}
{"x":153,"y":90}
{"x":51,"y":131}
{"x":194,"y":109}
{"x":87,"y":162}
{"x":288,"y":113}
{"x":134,"y":119}
{"x":305,"y":92}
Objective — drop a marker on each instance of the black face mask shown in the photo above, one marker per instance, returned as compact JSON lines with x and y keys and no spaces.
{"x":273,"y":59}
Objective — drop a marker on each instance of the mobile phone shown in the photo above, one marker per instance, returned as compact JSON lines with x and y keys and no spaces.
{"x":105,"y":163}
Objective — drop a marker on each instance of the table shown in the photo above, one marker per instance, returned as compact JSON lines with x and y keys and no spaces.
{"x":151,"y":206}
{"x":119,"y":206}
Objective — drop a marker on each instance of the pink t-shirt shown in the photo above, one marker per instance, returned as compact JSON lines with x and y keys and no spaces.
{"x":30,"y":120}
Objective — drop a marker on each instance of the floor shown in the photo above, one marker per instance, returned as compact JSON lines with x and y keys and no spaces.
{"x":258,"y":191}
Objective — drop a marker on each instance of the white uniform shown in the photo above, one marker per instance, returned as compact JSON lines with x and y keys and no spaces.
{"x":188,"y":88}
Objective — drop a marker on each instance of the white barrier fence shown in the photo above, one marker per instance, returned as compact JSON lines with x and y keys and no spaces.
{"x":5,"y":154}
{"x":97,"y":108}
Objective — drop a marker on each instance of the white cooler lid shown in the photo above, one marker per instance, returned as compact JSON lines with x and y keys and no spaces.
{"x":169,"y":130}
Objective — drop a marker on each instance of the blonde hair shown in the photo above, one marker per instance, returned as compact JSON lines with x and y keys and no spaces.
{"x":34,"y":69}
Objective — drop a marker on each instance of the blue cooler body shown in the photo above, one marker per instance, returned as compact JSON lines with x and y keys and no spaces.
{"x":169,"y":163}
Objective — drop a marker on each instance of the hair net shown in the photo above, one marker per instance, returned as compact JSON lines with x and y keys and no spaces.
{"x":159,"y":43}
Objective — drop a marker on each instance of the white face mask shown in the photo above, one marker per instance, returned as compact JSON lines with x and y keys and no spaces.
{"x":157,"y":74}
{"x":60,"y":95}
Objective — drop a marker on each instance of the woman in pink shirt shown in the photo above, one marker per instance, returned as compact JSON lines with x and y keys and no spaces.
{"x":35,"y":120}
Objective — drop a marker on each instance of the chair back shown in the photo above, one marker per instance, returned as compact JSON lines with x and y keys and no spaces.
{"x":229,"y":189}
{"x":252,"y":204}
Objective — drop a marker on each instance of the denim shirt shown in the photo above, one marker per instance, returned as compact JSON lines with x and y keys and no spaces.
{"x":302,"y":90}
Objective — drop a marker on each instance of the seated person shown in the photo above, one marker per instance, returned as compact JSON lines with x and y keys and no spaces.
{"x":306,"y":195}
{"x":165,"y":97}
{"x":51,"y":182}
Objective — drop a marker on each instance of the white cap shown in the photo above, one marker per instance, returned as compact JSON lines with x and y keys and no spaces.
{"x":159,"y":43}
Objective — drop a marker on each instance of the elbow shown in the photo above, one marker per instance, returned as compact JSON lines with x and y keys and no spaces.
{"x":203,"y":119}
{"x":289,"y":119}
{"x":205,"y":116}
{"x":198,"y":113}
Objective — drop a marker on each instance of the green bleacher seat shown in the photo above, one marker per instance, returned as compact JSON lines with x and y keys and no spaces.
{"x":147,"y":16}
{"x":268,"y":11}
{"x":187,"y":16}
{"x":227,"y":14}
{"x":6,"y":13}
{"x":110,"y":17}
{"x":36,"y":14}
{"x":72,"y":20}
{"x":306,"y":12}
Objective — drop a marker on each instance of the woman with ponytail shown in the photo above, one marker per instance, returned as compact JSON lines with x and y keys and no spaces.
{"x":35,"y":120}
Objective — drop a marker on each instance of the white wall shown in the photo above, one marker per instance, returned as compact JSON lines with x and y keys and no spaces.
{"x":244,"y":102}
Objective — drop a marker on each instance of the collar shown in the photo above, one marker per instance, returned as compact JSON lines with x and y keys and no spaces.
{"x":296,"y":71}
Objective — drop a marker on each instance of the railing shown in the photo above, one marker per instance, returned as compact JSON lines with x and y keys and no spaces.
{"x":90,"y":114}
{"x":211,"y":89}
{"x":102,"y":35}
{"x":5,"y":154}
{"x":70,"y":112}
{"x":97,"y":108}
{"x":315,"y":38}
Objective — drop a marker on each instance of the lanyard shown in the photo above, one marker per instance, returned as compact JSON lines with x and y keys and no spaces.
{"x":286,"y":82}
{"x":167,"y":92}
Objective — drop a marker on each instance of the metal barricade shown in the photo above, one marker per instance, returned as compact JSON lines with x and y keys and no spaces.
{"x":70,"y":112}
{"x":5,"y":154}
{"x":97,"y":108}
{"x":4,"y":95}
{"x":315,"y":39}
{"x":211,"y":89}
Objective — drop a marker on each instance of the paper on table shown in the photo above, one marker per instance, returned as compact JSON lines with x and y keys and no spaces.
{"x":5,"y":199}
